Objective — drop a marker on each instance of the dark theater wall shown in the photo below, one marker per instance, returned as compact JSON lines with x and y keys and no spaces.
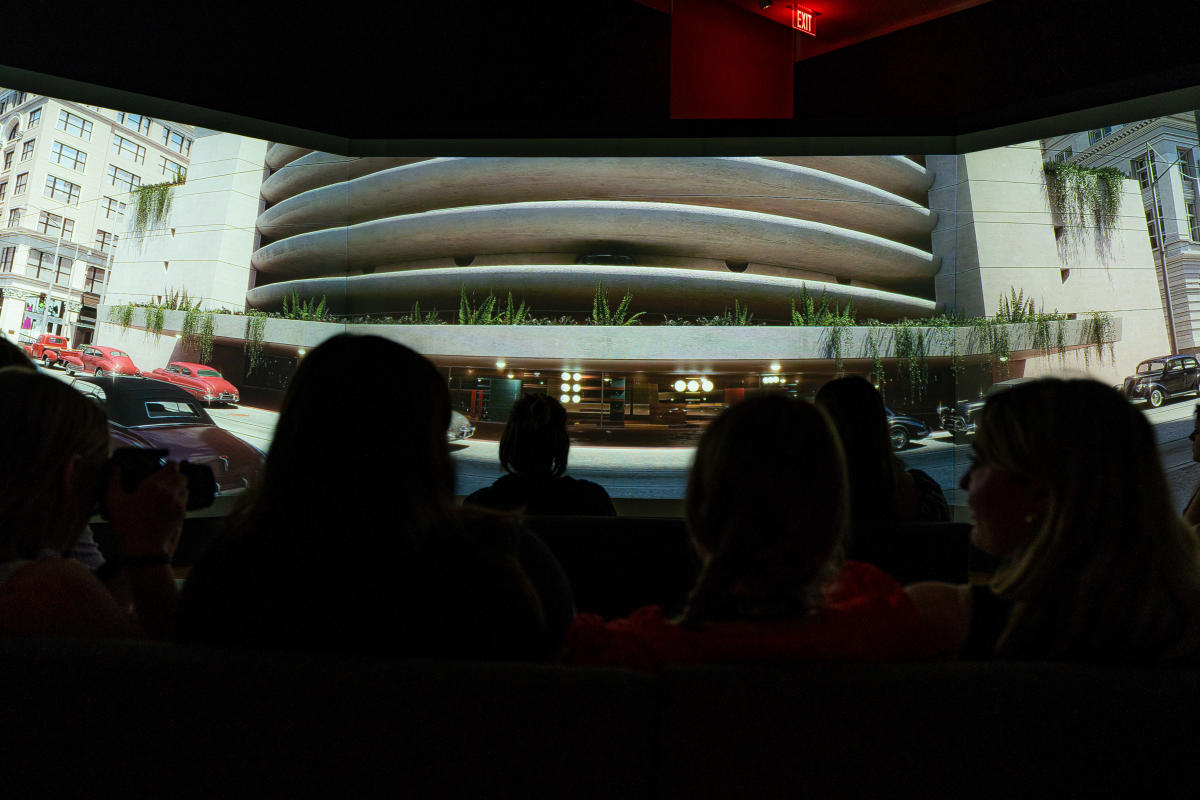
{"x":727,"y":63}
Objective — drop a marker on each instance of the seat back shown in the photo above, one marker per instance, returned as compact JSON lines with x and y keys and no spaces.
{"x":912,"y":552}
{"x":619,"y":564}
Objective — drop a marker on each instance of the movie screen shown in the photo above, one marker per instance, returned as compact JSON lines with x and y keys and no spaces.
{"x":644,"y":294}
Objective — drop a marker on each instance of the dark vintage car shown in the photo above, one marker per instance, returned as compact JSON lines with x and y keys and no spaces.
{"x":962,"y":419}
{"x":903,"y":429}
{"x":1156,"y":380}
{"x":152,"y":414}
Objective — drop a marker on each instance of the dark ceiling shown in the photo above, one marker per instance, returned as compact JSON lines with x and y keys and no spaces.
{"x":361,"y":78}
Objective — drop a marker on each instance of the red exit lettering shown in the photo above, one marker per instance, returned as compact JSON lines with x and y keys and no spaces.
{"x":804,"y":21}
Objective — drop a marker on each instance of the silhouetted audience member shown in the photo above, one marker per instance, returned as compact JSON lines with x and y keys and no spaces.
{"x":1066,"y":486}
{"x":53,"y":472}
{"x":881,"y":489}
{"x":351,"y":540}
{"x":533,"y":451}
{"x":85,"y":550}
{"x":768,"y":506}
{"x":1191,"y":514}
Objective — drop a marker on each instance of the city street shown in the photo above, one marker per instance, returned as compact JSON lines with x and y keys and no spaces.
{"x":660,"y":473}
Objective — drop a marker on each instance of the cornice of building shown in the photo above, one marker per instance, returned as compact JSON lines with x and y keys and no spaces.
{"x":1107,"y":142}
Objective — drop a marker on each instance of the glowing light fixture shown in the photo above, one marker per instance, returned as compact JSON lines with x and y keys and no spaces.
{"x":803,"y":21}
{"x":693,"y":385}
{"x":574,"y":398}
{"x":706,"y":385}
{"x":301,"y":351}
{"x":566,"y":376}
{"x":566,"y":387}
{"x":576,"y":376}
{"x":680,"y":385}
{"x":775,"y":366}
{"x":510,"y":374}
{"x":576,"y":387}
{"x":500,"y":364}
{"x":564,"y":398}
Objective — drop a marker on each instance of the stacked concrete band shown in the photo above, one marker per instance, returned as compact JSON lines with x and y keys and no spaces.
{"x":375,"y":235}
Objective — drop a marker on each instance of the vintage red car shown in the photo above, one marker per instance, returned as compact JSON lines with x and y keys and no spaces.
{"x":100,"y":360}
{"x":51,"y":350}
{"x":199,"y":380}
{"x":154,"y":414}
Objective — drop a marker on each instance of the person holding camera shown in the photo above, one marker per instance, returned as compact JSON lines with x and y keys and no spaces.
{"x":54,"y":474}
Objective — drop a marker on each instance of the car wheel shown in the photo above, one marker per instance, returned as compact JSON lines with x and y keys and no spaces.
{"x":1156,"y":397}
{"x":899,"y":438}
{"x":99,"y":373}
{"x":47,"y":361}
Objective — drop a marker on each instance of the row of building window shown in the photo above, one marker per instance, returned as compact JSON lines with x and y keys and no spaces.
{"x":176,"y":141}
{"x":43,"y":265}
{"x":12,"y":101}
{"x":73,"y":158}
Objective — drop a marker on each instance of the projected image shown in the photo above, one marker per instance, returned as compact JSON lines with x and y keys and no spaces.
{"x":646,"y":294}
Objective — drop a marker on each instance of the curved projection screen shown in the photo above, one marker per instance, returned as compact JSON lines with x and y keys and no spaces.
{"x":647,"y":294}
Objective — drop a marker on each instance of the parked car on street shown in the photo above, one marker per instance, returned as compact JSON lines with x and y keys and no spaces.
{"x":460,"y":427}
{"x":1157,"y":380}
{"x":50,"y":350}
{"x":961,"y":419}
{"x":154,"y":414}
{"x":100,"y":360}
{"x":903,"y":429}
{"x":201,"y":381}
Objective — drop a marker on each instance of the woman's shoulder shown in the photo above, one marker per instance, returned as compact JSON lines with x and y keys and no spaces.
{"x":59,"y":597}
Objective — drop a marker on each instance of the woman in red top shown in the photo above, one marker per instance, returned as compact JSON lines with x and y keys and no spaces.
{"x":768,"y":507}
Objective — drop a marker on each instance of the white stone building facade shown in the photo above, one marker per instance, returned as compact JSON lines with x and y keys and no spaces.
{"x":1161,"y":155}
{"x":67,"y":175}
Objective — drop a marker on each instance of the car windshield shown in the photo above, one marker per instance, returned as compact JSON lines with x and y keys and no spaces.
{"x":1149,"y":366}
{"x":208,"y":373}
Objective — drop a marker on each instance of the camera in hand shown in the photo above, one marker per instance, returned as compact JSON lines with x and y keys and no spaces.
{"x":135,"y":464}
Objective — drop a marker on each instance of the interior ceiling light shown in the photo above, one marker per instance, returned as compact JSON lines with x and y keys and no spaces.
{"x":575,"y":388}
{"x":574,"y":398}
{"x":564,"y":398}
{"x":500,"y":364}
{"x":577,"y":376}
{"x":680,"y":385}
{"x":775,"y":367}
{"x":566,"y":376}
{"x":693,"y":385}
{"x":706,"y":385}
{"x":566,"y":387}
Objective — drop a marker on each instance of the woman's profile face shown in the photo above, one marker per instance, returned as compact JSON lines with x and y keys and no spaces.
{"x":1004,"y":504}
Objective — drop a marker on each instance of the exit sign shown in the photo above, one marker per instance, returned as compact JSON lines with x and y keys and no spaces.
{"x":804,"y":21}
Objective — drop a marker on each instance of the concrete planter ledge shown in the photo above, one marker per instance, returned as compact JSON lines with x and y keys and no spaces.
{"x":695,"y":347}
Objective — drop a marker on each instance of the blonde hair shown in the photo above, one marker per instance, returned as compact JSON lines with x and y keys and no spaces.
{"x":50,"y":423}
{"x":767,"y":498}
{"x":1110,"y":572}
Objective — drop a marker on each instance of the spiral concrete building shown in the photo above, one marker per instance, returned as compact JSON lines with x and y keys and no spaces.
{"x":686,"y":236}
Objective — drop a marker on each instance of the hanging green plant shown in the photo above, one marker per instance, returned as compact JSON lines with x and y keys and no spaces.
{"x":1084,"y":196}
{"x":190,"y":327}
{"x":877,"y":360}
{"x":1099,"y":331}
{"x":155,"y":319}
{"x":122,"y":315}
{"x":256,"y":326}
{"x":152,"y":204}
{"x":911,"y":353}
{"x":204,"y":336}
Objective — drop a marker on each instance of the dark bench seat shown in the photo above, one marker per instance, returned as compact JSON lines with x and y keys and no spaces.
{"x":143,"y":720}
